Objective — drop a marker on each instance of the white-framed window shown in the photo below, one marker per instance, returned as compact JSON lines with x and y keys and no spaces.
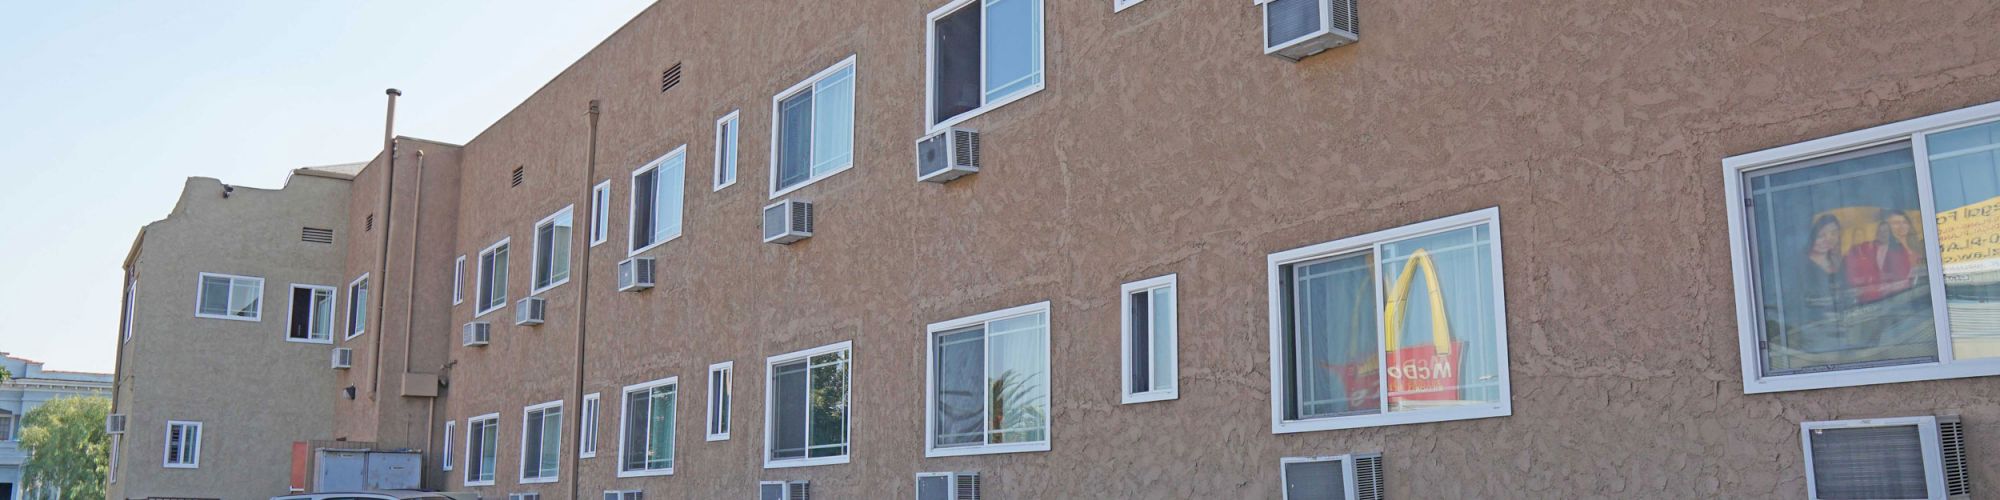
{"x":357,"y":307}
{"x":552,"y":242}
{"x":987,"y":383}
{"x":812,"y":129}
{"x":646,"y":428}
{"x":1151,"y":339}
{"x":586,"y":432}
{"x":131,"y":306}
{"x":310,"y":318}
{"x":657,"y":192}
{"x":458,"y":281}
{"x":7,"y":426}
{"x":727,"y":130}
{"x":806,"y":406}
{"x":482,"y":448}
{"x":981,"y":55}
{"x":183,"y":445}
{"x":600,"y":213}
{"x":1121,"y":5}
{"x":490,"y":293}
{"x":1341,"y":311}
{"x":541,"y":442}
{"x":719,"y":395}
{"x":444,"y":458}
{"x":224,"y":296}
{"x":1863,"y":258}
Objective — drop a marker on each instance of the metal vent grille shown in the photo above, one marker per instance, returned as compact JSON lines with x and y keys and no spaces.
{"x":802,"y":217}
{"x":520,"y":174}
{"x":968,"y":146}
{"x":1287,"y":20}
{"x":1868,"y":462}
{"x":670,"y":78}
{"x":1345,"y":17}
{"x":369,"y":224}
{"x":1368,"y":477}
{"x":967,"y":485}
{"x":315,"y":235}
{"x":798,"y":490}
{"x":1951,"y":444}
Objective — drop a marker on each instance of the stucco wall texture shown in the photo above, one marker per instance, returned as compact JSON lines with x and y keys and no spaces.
{"x":1166,"y":142}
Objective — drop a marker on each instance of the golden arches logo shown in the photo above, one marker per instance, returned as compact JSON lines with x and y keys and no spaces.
{"x":1398,"y":304}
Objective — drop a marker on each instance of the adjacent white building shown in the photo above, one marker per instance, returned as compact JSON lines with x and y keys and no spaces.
{"x":29,"y":387}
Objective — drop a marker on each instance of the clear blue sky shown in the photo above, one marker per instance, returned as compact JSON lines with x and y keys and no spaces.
{"x":107,"y":107}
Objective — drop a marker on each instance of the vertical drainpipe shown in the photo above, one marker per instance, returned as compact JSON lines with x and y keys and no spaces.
{"x":583,"y":295}
{"x":382,"y":255}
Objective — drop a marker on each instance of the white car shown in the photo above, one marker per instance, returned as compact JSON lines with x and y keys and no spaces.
{"x":382,"y":495}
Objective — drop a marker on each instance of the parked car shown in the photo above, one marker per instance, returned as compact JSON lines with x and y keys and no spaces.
{"x":382,"y":495}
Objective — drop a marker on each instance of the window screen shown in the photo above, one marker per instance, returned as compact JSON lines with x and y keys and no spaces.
{"x":1868,"y":462}
{"x":1315,"y":481}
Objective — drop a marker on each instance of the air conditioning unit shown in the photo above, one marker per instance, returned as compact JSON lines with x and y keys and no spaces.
{"x":635,"y":274}
{"x":343,"y":358}
{"x":780,"y":490}
{"x":948,"y":485}
{"x":1352,"y":477}
{"x":114,"y":423}
{"x":530,"y":311}
{"x":947,"y":155}
{"x":1889,"y":458}
{"x":524,"y":496}
{"x":1295,"y":29}
{"x":625,"y":495}
{"x":478,"y":333}
{"x":787,"y":221}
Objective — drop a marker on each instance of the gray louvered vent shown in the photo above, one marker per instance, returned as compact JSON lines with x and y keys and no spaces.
{"x":1951,"y":444}
{"x":1345,"y":17}
{"x":315,"y":235}
{"x":670,"y":78}
{"x":968,"y":146}
{"x":798,"y":490}
{"x":624,"y":495}
{"x":369,"y":224}
{"x":966,"y":484}
{"x":1368,"y":484}
{"x":520,"y":174}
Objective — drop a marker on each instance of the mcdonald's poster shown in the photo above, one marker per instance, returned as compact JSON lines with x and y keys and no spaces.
{"x":1417,"y":373}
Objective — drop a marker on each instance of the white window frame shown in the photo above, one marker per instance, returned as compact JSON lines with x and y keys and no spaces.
{"x":1747,"y":303}
{"x":7,"y":427}
{"x":479,"y":278}
{"x":1346,"y":473}
{"x":445,"y":456}
{"x":632,"y":203}
{"x":131,"y":306}
{"x":523,"y":465}
{"x":195,"y":451}
{"x":470,"y":426}
{"x":1927,"y":434}
{"x":333,"y":299}
{"x":355,"y":311}
{"x":930,"y":381}
{"x":1489,"y":217}
{"x":586,"y":427}
{"x":930,"y":64}
{"x":200,"y":291}
{"x":771,"y":415}
{"x":1170,"y":285}
{"x":624,"y":411}
{"x":777,"y":101}
{"x":728,"y":161}
{"x":728,"y":371}
{"x":535,"y":259}
{"x":1121,"y":5}
{"x":458,"y":281}
{"x":600,"y":213}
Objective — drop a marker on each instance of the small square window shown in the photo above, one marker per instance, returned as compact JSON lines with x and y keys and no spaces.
{"x":311,"y":316}
{"x":1152,"y":354}
{"x":552,"y":249}
{"x":807,"y":397}
{"x":223,"y":296}
{"x":183,"y":445}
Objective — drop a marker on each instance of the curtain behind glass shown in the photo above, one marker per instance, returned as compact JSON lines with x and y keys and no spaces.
{"x":243,"y":297}
{"x":833,"y":122}
{"x":1013,"y":46}
{"x":1017,"y":371}
{"x":322,"y":315}
{"x":215,"y":295}
{"x":660,"y":428}
{"x":559,"y":252}
{"x":1163,"y":338}
{"x":531,"y":463}
{"x":672,"y":184}
{"x":959,"y":417}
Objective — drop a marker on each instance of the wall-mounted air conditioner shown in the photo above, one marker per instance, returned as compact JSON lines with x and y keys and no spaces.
{"x":635,"y":274}
{"x":524,"y":496}
{"x":1294,"y":29}
{"x":780,"y":490}
{"x":948,"y":485}
{"x":1352,"y":477}
{"x":530,"y":311}
{"x":1890,"y":458}
{"x":343,"y":358}
{"x":478,"y":333}
{"x":787,"y":221}
{"x":624,"y":495}
{"x":948,"y":154}
{"x":114,"y":423}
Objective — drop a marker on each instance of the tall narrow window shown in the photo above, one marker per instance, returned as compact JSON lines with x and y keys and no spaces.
{"x":552,"y":242}
{"x":983,"y":54}
{"x":989,"y":383}
{"x":482,"y":439}
{"x":183,"y":445}
{"x":223,"y":296}
{"x":600,"y":213}
{"x":725,"y":151}
{"x":492,"y":278}
{"x":806,"y":417}
{"x":458,"y":281}
{"x":357,"y":307}
{"x":311,"y":317}
{"x":1152,"y":353}
{"x":7,"y":426}
{"x":586,"y":442}
{"x":450,"y":427}
{"x":657,"y":189}
{"x":1362,"y":342}
{"x":646,"y":433}
{"x":131,"y":305}
{"x":812,"y":133}
{"x":718,"y":400}
{"x":541,"y":442}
